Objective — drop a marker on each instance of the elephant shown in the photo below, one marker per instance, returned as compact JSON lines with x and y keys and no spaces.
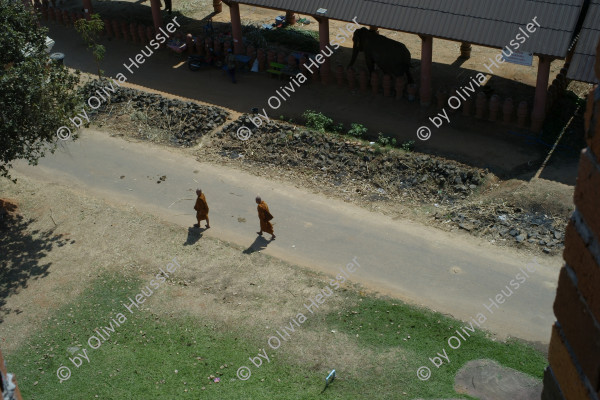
{"x":391,"y":57}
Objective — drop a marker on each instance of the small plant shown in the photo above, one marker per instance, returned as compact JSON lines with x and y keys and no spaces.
{"x":283,"y":118}
{"x":357,"y":130}
{"x":318,"y":121}
{"x":254,"y":35}
{"x":139,"y":116}
{"x":89,"y":31}
{"x":303,"y":40}
{"x":337,"y":128}
{"x":383,"y":140}
{"x":408,"y":146}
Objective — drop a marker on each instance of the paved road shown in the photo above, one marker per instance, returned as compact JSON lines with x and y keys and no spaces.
{"x":452,"y":273}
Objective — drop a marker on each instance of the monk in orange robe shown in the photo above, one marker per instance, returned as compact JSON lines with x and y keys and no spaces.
{"x":264,"y":216}
{"x":201,"y":208}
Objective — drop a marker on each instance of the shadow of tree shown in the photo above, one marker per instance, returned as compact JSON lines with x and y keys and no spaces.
{"x":22,"y":250}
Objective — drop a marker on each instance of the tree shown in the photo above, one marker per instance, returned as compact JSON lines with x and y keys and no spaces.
{"x":89,"y":31}
{"x":37,"y":95}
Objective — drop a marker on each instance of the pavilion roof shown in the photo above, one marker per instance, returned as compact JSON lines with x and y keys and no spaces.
{"x":492,"y":23}
{"x":582,"y":64}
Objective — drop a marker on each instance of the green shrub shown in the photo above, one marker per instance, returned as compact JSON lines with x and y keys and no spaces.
{"x":337,"y":128}
{"x":254,"y":36}
{"x":357,"y":130}
{"x":317,"y":121}
{"x":386,"y":140}
{"x":293,"y":38}
{"x":383,"y":140}
{"x":408,"y":145}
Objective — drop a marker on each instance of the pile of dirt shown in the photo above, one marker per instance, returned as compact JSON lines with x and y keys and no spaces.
{"x":344,"y":160}
{"x":510,"y":224}
{"x":181,"y":123}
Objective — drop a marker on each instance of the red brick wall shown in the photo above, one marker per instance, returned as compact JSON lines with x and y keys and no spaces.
{"x":574,"y":352}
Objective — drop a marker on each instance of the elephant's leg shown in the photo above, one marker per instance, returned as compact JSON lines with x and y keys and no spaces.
{"x":409,"y":77}
{"x":370,"y":63}
{"x":354,"y":55}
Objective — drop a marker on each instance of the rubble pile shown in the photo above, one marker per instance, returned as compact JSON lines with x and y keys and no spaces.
{"x":184,"y":122}
{"x":509,"y":224}
{"x":343,"y":159}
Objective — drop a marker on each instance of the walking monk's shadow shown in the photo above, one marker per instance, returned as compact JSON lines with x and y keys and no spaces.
{"x":260,"y":243}
{"x":194,"y":234}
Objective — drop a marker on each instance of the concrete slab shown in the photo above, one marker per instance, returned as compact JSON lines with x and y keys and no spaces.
{"x":488,"y":380}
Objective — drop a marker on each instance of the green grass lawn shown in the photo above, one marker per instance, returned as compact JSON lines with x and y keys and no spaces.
{"x":151,"y":356}
{"x":384,"y":325}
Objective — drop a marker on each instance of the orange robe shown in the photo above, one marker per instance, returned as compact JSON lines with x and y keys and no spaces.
{"x":201,"y":208}
{"x":265,"y":216}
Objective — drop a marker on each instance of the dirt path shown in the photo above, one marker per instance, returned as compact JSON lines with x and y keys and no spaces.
{"x":451,"y":273}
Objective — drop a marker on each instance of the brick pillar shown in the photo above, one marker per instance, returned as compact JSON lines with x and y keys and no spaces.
{"x":465,"y":50}
{"x":324,"y":70}
{"x":290,"y":18}
{"x":236,"y":27}
{"x":156,"y":15}
{"x":87,"y":9}
{"x":426,"y":61}
{"x":541,"y":88}
{"x":574,"y":352}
